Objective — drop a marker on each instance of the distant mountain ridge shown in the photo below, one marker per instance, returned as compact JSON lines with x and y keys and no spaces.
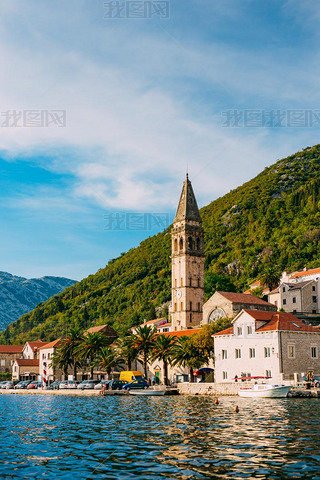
{"x":273,"y":219}
{"x":19,"y":295}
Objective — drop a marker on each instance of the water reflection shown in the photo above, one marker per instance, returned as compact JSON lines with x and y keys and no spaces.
{"x":166,"y":438}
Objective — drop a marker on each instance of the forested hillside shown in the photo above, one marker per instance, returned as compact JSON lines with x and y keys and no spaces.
{"x":272,"y":219}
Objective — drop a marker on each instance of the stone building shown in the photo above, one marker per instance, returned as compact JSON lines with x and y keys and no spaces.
{"x":9,"y":353}
{"x":25,"y":369}
{"x":187,"y":285}
{"x":271,"y":344}
{"x":229,"y":304}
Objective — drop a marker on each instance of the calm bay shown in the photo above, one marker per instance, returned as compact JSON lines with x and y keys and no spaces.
{"x":166,"y":437}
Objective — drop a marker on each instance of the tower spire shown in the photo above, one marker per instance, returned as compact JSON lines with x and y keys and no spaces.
{"x":188,"y":207}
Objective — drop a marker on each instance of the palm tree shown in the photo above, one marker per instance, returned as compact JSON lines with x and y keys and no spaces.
{"x":186,"y":354}
{"x":163,"y":350}
{"x":107,"y":359}
{"x":144,"y":340}
{"x":62,"y":360}
{"x":270,"y":277}
{"x":90,"y":347}
{"x":69,"y":346}
{"x":125,"y":347}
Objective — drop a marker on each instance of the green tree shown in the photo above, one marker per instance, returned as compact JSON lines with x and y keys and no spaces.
{"x":186,"y":354}
{"x":69,"y":346}
{"x":126,"y":349}
{"x":270,"y":276}
{"x":214,"y":282}
{"x":163,"y":350}
{"x":107,"y":359}
{"x":144,"y":342}
{"x":90,"y":347}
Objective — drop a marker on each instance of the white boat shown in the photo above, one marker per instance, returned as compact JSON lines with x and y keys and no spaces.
{"x":264,"y":390}
{"x":148,"y":392}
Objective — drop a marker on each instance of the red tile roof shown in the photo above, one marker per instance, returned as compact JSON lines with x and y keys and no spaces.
{"x":244,"y":298}
{"x":312,"y":271}
{"x":106,"y":329}
{"x":53,"y":344}
{"x":227,"y":331}
{"x":275,"y":321}
{"x":37,"y":344}
{"x":27,"y":362}
{"x":182,"y":333}
{"x":11,"y":348}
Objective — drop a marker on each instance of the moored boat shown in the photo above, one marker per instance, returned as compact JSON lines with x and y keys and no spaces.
{"x":148,"y":392}
{"x":264,"y":391}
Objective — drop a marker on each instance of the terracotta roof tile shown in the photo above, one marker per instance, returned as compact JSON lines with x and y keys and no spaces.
{"x":37,"y":344}
{"x":227,"y":331}
{"x":312,"y":271}
{"x":183,"y":333}
{"x":11,"y":348}
{"x":244,"y":298}
{"x":53,"y":344}
{"x":27,"y":362}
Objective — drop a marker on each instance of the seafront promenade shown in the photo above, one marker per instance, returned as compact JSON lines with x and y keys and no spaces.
{"x":203,"y":389}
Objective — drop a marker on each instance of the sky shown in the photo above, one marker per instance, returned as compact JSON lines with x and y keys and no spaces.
{"x":106,"y":105}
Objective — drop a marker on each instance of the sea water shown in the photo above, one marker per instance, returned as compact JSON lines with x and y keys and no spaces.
{"x":185,"y":437}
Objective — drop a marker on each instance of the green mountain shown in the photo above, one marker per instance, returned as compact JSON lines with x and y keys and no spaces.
{"x":273,"y":219}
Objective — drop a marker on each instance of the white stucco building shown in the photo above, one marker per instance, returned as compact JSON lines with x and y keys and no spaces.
{"x":272,"y":344}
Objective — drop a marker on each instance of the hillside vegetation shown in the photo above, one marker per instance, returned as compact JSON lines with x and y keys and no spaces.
{"x":272,"y":219}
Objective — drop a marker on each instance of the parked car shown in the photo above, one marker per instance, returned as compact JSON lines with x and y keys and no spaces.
{"x":22,"y":384}
{"x":54,"y":385}
{"x":136,"y":384}
{"x":6,"y":384}
{"x":87,"y":384}
{"x":68,"y":384}
{"x":9,"y":385}
{"x":33,"y":385}
{"x":117,"y":385}
{"x":106,"y":383}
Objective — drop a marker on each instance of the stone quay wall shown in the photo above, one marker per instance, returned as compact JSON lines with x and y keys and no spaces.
{"x":208,"y":388}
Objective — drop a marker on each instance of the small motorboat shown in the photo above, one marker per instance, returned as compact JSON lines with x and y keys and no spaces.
{"x":263,"y":390}
{"x":149,"y":392}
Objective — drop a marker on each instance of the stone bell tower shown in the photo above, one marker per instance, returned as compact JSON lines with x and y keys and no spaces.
{"x":187,"y":262}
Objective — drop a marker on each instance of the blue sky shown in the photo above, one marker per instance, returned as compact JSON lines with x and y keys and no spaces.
{"x":143,"y":100}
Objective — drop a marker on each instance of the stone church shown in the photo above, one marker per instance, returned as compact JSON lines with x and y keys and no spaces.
{"x":188,"y":309}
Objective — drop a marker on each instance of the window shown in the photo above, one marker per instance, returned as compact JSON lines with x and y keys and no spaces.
{"x":294,"y":310}
{"x":3,"y":363}
{"x":276,"y":303}
{"x":181,"y":282}
{"x":237,"y":353}
{"x":268,"y":373}
{"x":239,"y":331}
{"x":291,"y":351}
{"x":175,"y":283}
{"x":283,"y":289}
{"x":175,"y":307}
{"x":190,"y":305}
{"x":314,"y":352}
{"x":314,"y":298}
{"x":181,"y":306}
{"x":314,"y":311}
{"x":175,"y":245}
{"x":49,"y":355}
{"x":224,"y":354}
{"x":190,"y":282}
{"x":313,"y":288}
{"x":252,"y":353}
{"x":266,"y":352}
{"x":181,"y":244}
{"x":294,"y":300}
{"x":224,"y":375}
{"x":284,"y":301}
{"x":190,"y":320}
{"x":249,"y":329}
{"x":198,"y":306}
{"x":198,"y":282}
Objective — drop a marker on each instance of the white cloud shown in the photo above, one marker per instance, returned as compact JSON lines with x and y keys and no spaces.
{"x":128,"y":103}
